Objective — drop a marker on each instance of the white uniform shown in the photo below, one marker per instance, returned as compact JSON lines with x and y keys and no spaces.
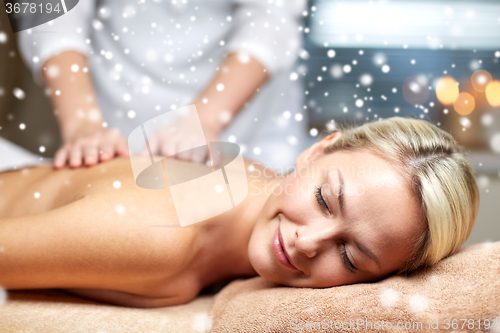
{"x":150,"y":57}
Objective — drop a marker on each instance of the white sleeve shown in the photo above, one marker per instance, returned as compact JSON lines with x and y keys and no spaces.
{"x":67,"y":32}
{"x":268,"y":31}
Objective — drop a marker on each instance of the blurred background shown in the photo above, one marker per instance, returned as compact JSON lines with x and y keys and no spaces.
{"x":361,"y":61}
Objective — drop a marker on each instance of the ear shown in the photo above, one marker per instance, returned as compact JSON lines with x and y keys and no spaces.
{"x":316,"y":149}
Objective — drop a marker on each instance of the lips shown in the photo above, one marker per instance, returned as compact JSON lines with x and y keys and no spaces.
{"x":279,"y":249}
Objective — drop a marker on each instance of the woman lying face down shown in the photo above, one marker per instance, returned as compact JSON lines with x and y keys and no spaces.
{"x":389,"y":196}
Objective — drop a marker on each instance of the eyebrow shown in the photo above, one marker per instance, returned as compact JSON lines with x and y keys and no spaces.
{"x":340,"y":197}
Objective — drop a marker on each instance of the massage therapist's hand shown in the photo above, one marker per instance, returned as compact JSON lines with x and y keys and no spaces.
{"x":89,"y":145}
{"x":178,"y":138}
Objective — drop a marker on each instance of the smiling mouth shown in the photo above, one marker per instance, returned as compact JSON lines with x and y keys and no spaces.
{"x":279,"y":250}
{"x":284,"y":251}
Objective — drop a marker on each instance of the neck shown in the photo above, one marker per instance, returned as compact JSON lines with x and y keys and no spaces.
{"x":224,"y":253}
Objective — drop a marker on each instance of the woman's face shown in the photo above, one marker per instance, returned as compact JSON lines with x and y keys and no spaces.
{"x":362,"y":235}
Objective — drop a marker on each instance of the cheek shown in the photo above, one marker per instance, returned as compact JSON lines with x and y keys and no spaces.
{"x":294,"y":196}
{"x":259,"y":246}
{"x":328,"y":273}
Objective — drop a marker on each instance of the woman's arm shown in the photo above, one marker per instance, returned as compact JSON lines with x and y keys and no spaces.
{"x":239,"y":77}
{"x":237,"y":80}
{"x":127,"y":299}
{"x":102,"y":241}
{"x":86,"y":140}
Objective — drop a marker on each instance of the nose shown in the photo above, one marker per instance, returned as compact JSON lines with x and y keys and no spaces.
{"x":315,"y":237}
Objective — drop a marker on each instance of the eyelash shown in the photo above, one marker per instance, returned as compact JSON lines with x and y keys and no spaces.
{"x":322,"y":203}
{"x":319,"y":198}
{"x":346,"y":260}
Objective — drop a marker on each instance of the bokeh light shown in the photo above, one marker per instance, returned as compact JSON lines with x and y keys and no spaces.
{"x":416,"y":89}
{"x":492,"y":91}
{"x":447,"y":90}
{"x":336,"y":71}
{"x":366,"y":80}
{"x":495,"y":143}
{"x":464,"y":104}
{"x":480,"y":80}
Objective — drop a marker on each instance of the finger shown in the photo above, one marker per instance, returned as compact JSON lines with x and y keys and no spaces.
{"x":90,"y":155}
{"x":107,"y":151}
{"x":121,"y":148}
{"x":75,"y":156}
{"x":61,"y":157}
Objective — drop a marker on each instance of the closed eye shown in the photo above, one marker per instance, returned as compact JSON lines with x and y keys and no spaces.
{"x":347,"y":262}
{"x":345,"y":258}
{"x":320,"y":199}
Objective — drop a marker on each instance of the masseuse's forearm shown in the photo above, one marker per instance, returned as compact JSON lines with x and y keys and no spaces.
{"x":72,"y":92}
{"x":235,"y":83}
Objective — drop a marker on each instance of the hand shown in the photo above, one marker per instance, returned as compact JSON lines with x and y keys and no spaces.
{"x":90,"y":145}
{"x":178,"y":138}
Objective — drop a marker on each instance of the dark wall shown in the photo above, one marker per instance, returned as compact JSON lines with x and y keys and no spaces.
{"x":35,"y":110}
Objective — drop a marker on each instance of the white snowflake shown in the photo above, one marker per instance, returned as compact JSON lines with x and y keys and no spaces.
{"x":201,"y":322}
{"x":379,"y":59}
{"x":465,"y":122}
{"x":418,"y":303}
{"x":120,"y":209}
{"x":3,"y":296}
{"x":19,"y":93}
{"x":292,"y":140}
{"x":128,"y":11}
{"x":366,"y":79}
{"x":483,"y":181}
{"x":97,"y":25}
{"x":495,"y":143}
{"x":336,"y":71}
{"x":487,"y":119}
{"x":3,"y":37}
{"x":389,"y":297}
{"x":224,"y":116}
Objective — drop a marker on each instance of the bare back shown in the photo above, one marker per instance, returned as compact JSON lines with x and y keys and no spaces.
{"x":109,"y":236}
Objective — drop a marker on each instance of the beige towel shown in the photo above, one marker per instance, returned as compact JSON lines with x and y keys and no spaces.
{"x":463,"y":286}
{"x":52,"y":311}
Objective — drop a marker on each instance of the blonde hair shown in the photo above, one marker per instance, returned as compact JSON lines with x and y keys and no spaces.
{"x":440,"y":177}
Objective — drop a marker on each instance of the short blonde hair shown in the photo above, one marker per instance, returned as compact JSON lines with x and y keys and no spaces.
{"x":439,"y":174}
